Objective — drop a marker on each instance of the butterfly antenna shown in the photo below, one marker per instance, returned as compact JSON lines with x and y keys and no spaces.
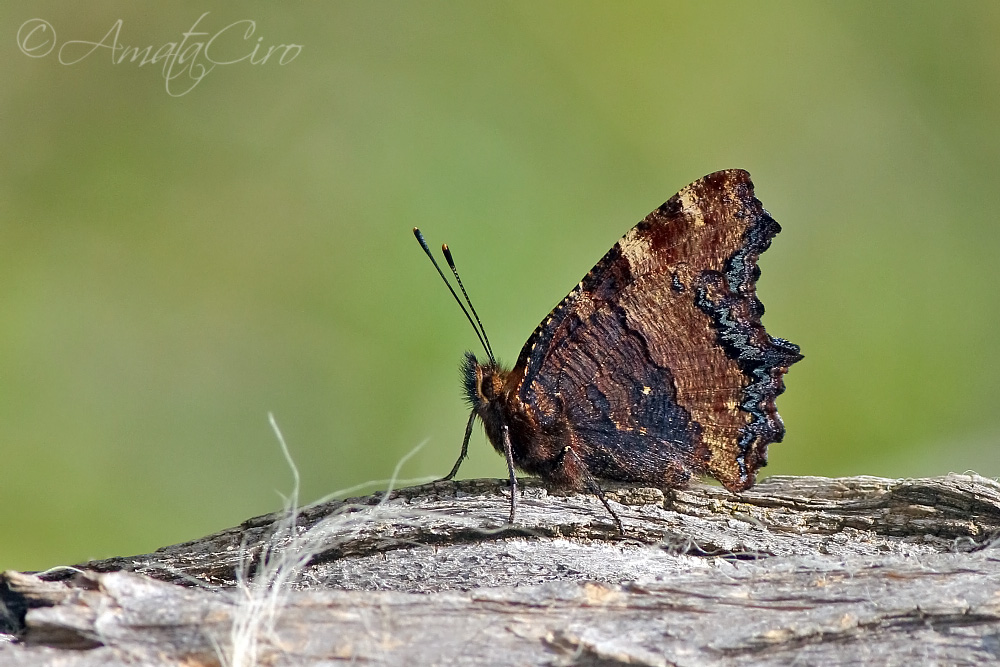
{"x":480,"y":335}
{"x":451,"y":264}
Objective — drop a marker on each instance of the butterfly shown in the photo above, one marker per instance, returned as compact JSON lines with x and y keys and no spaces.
{"x":655,"y":367}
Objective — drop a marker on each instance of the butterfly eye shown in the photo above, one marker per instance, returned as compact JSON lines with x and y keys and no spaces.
{"x":486,"y":387}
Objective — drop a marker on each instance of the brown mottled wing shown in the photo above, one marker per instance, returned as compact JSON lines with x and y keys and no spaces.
{"x":657,"y":366}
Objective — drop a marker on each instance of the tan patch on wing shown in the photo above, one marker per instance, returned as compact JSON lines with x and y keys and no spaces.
{"x":690,"y":199}
{"x":635,"y":247}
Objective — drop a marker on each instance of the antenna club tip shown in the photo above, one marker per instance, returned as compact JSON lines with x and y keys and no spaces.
{"x":444,"y":247}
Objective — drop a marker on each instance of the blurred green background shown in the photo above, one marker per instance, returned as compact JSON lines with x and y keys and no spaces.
{"x":172,"y":268}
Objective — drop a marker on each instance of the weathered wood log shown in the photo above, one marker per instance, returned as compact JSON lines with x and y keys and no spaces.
{"x":815,"y":570}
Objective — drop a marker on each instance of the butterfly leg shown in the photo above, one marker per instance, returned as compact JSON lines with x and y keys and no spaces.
{"x":593,"y":486}
{"x":465,"y":450}
{"x":509,"y":453}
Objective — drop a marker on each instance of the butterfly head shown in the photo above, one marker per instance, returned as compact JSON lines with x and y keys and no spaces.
{"x":484,"y":384}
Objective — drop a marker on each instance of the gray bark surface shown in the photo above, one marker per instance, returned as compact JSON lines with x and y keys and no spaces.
{"x":798,"y":569}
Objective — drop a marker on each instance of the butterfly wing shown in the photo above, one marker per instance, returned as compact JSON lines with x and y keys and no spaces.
{"x":657,"y":365}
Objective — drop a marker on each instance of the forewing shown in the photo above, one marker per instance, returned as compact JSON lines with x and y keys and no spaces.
{"x":657,"y":361}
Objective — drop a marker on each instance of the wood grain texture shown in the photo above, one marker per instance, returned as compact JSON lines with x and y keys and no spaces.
{"x":814,"y":570}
